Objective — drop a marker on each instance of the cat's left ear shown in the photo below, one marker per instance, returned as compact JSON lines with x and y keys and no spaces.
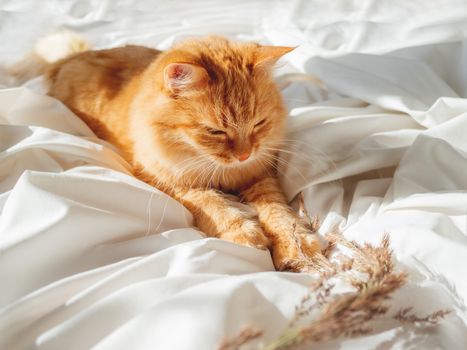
{"x":267,"y":56}
{"x":180,"y":77}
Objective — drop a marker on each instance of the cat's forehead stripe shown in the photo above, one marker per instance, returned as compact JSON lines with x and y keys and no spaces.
{"x":224,"y":120}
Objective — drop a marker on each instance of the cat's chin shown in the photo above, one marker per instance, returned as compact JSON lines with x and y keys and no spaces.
{"x":235,"y":164}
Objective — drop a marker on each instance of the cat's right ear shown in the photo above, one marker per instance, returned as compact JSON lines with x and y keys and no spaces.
{"x":184,"y":77}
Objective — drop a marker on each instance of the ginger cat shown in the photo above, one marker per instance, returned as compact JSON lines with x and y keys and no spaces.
{"x":201,"y":122}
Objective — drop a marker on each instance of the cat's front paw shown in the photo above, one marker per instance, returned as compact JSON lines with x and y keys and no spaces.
{"x":296,"y":249}
{"x":247,"y":233}
{"x":309,"y":241}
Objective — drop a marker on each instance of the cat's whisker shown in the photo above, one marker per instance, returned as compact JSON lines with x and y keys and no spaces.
{"x":287,"y":164}
{"x":212,"y":176}
{"x":163,"y":213}
{"x":148,"y":211}
{"x":273,"y":165}
{"x":203,"y":175}
{"x":198,"y":161}
{"x":223,"y":175}
{"x":208,"y":178}
{"x":149,"y":207}
{"x":206,"y":181}
{"x":308,"y":102}
{"x":190,"y":162}
{"x":293,"y":153}
{"x":319,"y":162}
{"x":192,"y":165}
{"x":296,"y":142}
{"x":260,"y":162}
{"x":312,"y":158}
{"x":213,"y":172}
{"x":312,"y":161}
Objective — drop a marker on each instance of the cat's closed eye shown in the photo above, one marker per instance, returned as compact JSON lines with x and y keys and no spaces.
{"x":215,"y":131}
{"x":261,"y":122}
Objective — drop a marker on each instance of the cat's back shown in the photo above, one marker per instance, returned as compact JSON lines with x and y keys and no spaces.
{"x":97,"y":86}
{"x":93,"y":78}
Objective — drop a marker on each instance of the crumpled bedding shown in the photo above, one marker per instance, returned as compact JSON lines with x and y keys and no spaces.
{"x":91,"y":257}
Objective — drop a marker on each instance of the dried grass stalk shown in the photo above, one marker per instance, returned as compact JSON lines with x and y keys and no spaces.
{"x":369,"y":270}
{"x":323,"y":316}
{"x":246,"y":335}
{"x":406,"y":316}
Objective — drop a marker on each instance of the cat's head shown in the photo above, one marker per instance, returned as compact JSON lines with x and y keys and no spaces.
{"x":217,"y":101}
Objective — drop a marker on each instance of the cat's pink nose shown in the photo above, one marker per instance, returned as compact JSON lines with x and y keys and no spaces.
{"x":243,"y":156}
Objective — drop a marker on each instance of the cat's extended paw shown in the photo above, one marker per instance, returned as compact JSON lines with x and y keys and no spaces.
{"x":247,"y":233}
{"x":297,"y":250}
{"x":309,"y":242}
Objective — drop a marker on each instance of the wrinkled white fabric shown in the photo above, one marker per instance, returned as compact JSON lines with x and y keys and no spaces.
{"x":90,"y":257}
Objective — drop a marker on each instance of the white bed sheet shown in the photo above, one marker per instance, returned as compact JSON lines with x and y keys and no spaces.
{"x":91,"y":257}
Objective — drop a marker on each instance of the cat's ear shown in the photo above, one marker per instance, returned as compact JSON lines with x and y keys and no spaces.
{"x":179,"y":77}
{"x":267,"y":56}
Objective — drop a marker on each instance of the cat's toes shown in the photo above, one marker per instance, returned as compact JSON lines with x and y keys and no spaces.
{"x":286,"y":260}
{"x":309,"y":241}
{"x":291,"y":265}
{"x":296,"y":264}
{"x":248,"y":234}
{"x":310,"y":244}
{"x":297,"y":251}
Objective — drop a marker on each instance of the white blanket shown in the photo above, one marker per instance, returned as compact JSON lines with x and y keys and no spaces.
{"x":92,"y":257}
